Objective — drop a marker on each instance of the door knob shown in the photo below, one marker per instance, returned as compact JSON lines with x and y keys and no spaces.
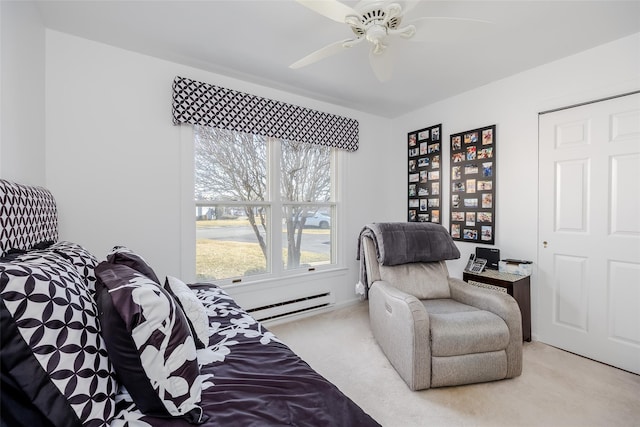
{"x":544,"y":244}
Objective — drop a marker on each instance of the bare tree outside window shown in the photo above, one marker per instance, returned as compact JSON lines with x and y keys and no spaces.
{"x":305,"y":177}
{"x":232,"y":167}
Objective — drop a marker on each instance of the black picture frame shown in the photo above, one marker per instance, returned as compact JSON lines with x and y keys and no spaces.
{"x":473,"y":185}
{"x":425,"y":174}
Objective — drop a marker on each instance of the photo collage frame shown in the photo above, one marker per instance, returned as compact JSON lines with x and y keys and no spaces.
{"x":473,"y":179}
{"x":425,"y":176}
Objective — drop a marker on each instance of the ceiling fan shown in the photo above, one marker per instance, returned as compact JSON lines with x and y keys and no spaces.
{"x":377,"y":22}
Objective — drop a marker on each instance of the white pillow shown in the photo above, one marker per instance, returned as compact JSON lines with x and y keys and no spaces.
{"x":192,"y":307}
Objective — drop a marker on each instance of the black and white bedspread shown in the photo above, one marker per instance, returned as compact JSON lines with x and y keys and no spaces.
{"x":90,"y":343}
{"x":253,"y":379}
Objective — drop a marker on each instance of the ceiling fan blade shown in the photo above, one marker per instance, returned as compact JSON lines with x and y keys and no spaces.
{"x":382,"y":64}
{"x":321,"y":53}
{"x":446,"y":29}
{"x":332,"y":9}
{"x":364,"y":3}
{"x":361,"y":3}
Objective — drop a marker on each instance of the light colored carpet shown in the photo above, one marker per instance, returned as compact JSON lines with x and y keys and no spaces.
{"x":556,"y":388}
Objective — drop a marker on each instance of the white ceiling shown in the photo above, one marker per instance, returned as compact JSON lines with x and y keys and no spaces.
{"x":258,"y":40}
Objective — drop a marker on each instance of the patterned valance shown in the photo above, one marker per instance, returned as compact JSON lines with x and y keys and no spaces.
{"x":204,"y":104}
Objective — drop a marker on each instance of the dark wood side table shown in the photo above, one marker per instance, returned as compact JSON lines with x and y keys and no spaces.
{"x":516,"y":286}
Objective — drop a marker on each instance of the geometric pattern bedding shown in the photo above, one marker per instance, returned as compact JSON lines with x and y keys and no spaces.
{"x":56,"y":369}
{"x":28,"y":216}
{"x":248,"y":377}
{"x":83,"y":260}
{"x":254,"y":378}
{"x":51,"y":344}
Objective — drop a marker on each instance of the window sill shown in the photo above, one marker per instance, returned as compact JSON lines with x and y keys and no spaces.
{"x":268,"y":282}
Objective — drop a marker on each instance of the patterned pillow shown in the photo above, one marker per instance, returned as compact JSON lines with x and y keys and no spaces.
{"x":15,"y":253}
{"x":51,"y":344}
{"x":84,"y":261}
{"x":28,"y":215}
{"x":149,"y":343}
{"x":193,"y":309}
{"x":125,"y":256}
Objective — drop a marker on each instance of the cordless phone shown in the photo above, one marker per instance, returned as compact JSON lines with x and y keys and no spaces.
{"x":475,"y":265}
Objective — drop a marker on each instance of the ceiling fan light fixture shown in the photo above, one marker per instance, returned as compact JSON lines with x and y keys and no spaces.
{"x":375,"y":35}
{"x":375,"y":14}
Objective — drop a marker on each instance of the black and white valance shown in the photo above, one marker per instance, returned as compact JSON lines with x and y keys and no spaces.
{"x":204,"y":104}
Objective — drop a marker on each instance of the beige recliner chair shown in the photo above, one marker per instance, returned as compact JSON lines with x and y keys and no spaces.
{"x":434,"y":329}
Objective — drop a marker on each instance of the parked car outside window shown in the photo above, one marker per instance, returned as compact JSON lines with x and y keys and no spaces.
{"x":319,"y":219}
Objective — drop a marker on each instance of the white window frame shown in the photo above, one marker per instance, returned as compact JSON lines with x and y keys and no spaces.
{"x":278,"y":271}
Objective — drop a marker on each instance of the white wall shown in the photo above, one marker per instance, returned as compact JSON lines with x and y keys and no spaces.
{"x":22,"y":115}
{"x":113,"y":155}
{"x":513,"y":105}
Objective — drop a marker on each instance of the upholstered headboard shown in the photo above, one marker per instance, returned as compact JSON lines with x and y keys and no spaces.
{"x":28,"y":216}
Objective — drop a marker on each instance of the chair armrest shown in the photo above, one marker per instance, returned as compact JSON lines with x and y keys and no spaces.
{"x":400,"y":325}
{"x":500,"y":304}
{"x":370,"y":261}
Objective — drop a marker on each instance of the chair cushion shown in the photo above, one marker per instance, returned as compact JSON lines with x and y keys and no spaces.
{"x":446,"y":305}
{"x":423,"y":280}
{"x":468,"y":368}
{"x":458,"y":329}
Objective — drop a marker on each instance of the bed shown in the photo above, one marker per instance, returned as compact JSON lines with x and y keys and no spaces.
{"x":105,"y":342}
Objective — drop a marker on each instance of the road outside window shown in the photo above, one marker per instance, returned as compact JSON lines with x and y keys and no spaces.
{"x":237,"y":218}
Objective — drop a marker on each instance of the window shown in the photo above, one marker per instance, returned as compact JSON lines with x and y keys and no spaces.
{"x":264,"y":206}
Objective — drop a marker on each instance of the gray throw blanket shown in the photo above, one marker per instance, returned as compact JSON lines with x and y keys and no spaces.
{"x":405,"y":242}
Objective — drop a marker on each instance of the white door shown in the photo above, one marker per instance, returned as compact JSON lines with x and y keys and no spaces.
{"x":589,"y":230}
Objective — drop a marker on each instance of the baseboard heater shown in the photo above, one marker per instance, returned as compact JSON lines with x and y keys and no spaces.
{"x":290,"y":307}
